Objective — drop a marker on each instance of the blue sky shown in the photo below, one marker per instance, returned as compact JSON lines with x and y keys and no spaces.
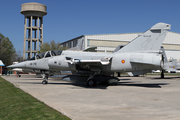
{"x":67,"y":19}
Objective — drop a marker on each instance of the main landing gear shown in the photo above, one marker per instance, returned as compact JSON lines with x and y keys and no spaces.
{"x":90,"y":81}
{"x":162,"y":73}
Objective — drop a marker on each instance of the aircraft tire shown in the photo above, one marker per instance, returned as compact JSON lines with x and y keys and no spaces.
{"x":91,"y":82}
{"x":162,"y":74}
{"x":44,"y":82}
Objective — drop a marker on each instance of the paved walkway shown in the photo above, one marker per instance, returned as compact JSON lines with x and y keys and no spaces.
{"x":134,"y":98}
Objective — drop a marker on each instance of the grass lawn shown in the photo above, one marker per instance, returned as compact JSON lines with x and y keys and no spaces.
{"x":15,"y":104}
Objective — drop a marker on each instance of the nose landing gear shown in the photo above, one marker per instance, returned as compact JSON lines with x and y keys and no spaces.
{"x":45,"y":78}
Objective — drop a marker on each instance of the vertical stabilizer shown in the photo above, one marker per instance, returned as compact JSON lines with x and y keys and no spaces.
{"x":150,"y":41}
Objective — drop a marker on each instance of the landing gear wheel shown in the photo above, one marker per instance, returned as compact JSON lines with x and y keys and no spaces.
{"x":44,"y":82}
{"x":91,"y":82}
{"x":119,"y":75}
{"x":162,"y":73}
{"x":17,"y":75}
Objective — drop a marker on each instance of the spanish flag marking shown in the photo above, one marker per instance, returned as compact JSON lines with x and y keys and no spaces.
{"x":122,"y":61}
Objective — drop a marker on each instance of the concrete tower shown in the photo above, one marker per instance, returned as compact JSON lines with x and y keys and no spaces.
{"x":33,"y":27}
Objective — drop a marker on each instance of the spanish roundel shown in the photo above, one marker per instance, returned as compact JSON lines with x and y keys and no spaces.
{"x":123,"y":61}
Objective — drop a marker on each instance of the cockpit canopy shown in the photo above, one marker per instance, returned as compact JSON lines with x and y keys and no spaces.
{"x":46,"y":54}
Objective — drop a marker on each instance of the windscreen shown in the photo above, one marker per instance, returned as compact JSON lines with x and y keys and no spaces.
{"x":56,"y":52}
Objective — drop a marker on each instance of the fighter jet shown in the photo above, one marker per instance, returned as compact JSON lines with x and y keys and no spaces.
{"x":172,"y":66}
{"x":140,"y":56}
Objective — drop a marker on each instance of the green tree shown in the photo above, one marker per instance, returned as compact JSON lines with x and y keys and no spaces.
{"x":17,"y":57}
{"x":6,"y":50}
{"x":52,"y":45}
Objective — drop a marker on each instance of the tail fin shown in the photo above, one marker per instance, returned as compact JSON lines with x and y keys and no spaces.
{"x":150,"y":41}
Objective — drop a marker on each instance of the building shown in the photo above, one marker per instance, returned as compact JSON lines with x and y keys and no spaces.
{"x":1,"y":64}
{"x":108,"y":42}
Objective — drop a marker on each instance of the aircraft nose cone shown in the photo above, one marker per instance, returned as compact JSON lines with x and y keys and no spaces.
{"x":18,"y":65}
